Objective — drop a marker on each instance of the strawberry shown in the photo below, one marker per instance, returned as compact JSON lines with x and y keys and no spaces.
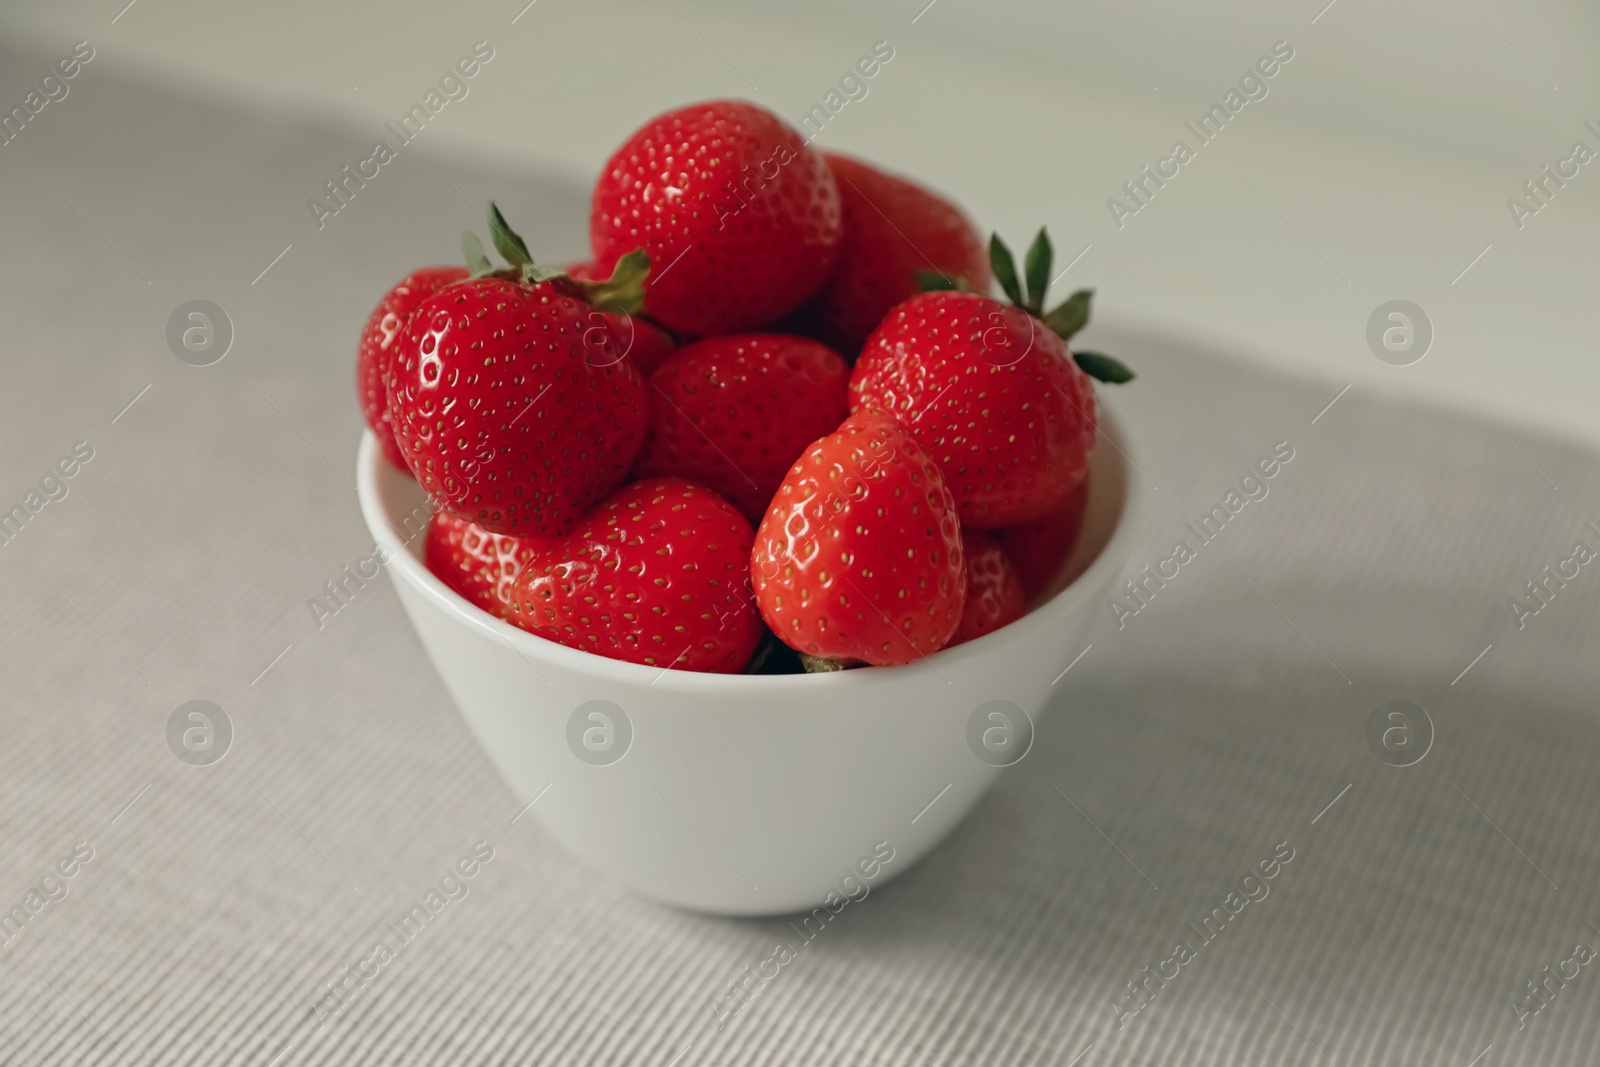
{"x":739,"y":216}
{"x":995,"y":596}
{"x":657,"y":574}
{"x":376,"y":349}
{"x":473,"y":420}
{"x":734,"y":413}
{"x":467,"y":392}
{"x":991,"y":391}
{"x":481,"y":566}
{"x":893,"y":231}
{"x":1040,"y":548}
{"x":859,"y":556}
{"x":636,"y":337}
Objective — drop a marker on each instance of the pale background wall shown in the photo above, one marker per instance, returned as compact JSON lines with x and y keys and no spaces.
{"x":1378,"y":166}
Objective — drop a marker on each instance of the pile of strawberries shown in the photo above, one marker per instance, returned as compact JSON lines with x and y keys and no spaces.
{"x":778,"y":402}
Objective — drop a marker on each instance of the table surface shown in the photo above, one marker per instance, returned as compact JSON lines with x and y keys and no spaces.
{"x":1226,"y":720}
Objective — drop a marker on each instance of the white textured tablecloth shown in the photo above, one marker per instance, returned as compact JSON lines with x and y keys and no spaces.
{"x":1215,"y":727}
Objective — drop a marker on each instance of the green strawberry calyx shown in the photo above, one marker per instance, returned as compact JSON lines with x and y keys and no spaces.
{"x":622,"y":293}
{"x":1070,"y":316}
{"x":1064,"y":320}
{"x":929,"y":281}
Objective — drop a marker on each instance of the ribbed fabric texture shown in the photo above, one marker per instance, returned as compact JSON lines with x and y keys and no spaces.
{"x":1214,"y":728}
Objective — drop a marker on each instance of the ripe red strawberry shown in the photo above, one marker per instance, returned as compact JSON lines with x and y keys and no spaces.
{"x":1040,"y":548}
{"x":991,"y":394}
{"x":859,"y":557}
{"x":636,"y":337}
{"x":481,"y":566}
{"x":504,"y":412}
{"x":739,"y":217}
{"x":995,"y":596}
{"x":376,"y":349}
{"x":639,"y":340}
{"x":991,"y":391}
{"x":893,"y":230}
{"x":734,"y":413}
{"x":657,"y":574}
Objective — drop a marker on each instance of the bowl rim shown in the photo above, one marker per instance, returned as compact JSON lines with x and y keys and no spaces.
{"x":1088,"y":584}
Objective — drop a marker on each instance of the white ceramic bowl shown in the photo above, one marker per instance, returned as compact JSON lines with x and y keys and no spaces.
{"x":736,"y":794}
